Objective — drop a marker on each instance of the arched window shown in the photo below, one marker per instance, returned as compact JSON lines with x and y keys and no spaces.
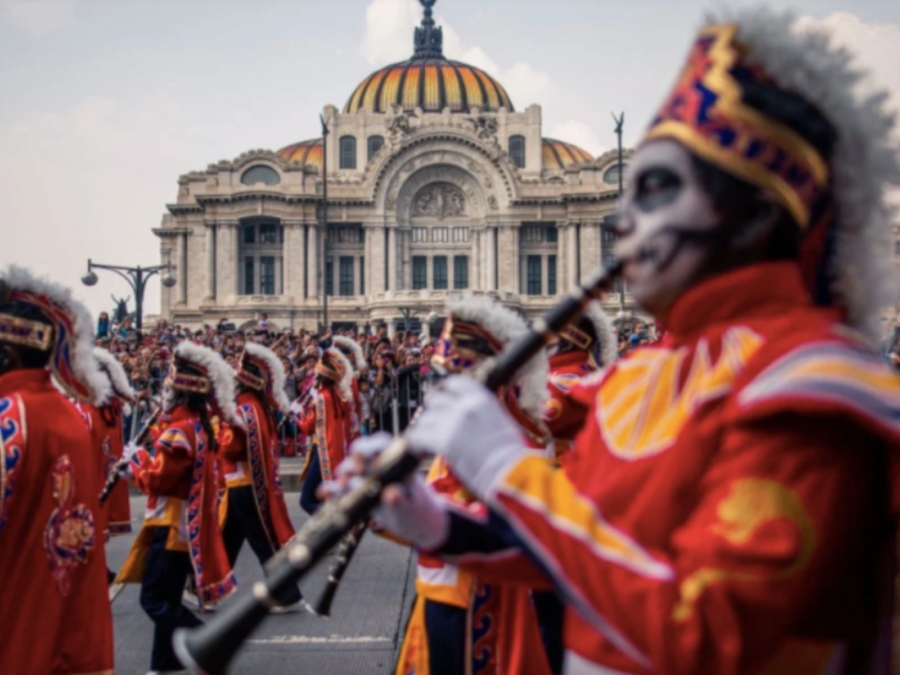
{"x":374,"y":145}
{"x":260,"y":174}
{"x":517,"y":150}
{"x":348,"y":152}
{"x":611,"y":176}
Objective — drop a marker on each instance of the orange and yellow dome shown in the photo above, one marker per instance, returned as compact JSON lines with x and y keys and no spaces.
{"x":559,"y":154}
{"x":431,"y":84}
{"x":308,"y":153}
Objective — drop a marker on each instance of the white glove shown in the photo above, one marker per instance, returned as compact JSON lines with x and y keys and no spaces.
{"x":466,"y":424}
{"x":131,"y":449}
{"x":417,"y":514}
{"x":125,"y":469}
{"x":295,"y":407}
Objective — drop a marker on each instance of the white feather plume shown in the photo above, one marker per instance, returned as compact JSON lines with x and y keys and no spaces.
{"x":606,"y":333}
{"x":276,"y":373}
{"x":113,"y":370}
{"x":505,"y":325}
{"x":81,"y":357}
{"x":359,"y":359}
{"x":347,"y":376}
{"x":221,"y":375}
{"x":864,"y":163}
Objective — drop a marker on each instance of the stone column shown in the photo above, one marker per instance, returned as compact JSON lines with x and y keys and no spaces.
{"x":393,"y":268}
{"x":375,"y":260}
{"x":508,"y":260}
{"x":226,"y":252}
{"x":490,"y":257}
{"x":476,"y":281}
{"x":589,"y":247}
{"x":182,"y":267}
{"x":294,"y":260}
{"x":210,"y":261}
{"x":312,"y":262}
{"x":562,"y":258}
{"x":404,"y":259}
{"x":572,"y":256}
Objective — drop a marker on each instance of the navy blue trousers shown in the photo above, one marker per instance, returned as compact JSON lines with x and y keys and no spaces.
{"x":161,"y":589}
{"x":308,"y":500}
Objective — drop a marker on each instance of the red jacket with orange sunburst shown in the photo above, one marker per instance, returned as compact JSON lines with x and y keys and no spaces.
{"x":727,"y":496}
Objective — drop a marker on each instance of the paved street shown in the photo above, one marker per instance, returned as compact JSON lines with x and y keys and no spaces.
{"x":361,"y":637}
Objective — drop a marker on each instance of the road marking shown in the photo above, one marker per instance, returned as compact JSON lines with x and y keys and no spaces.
{"x":307,"y":640}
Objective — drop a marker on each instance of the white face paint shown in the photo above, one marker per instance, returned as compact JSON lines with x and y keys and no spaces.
{"x":663,"y":191}
{"x":168,"y":397}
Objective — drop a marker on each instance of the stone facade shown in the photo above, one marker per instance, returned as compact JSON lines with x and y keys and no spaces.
{"x":446,"y":205}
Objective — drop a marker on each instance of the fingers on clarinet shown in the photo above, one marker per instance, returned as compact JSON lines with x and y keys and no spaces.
{"x":392,"y":495}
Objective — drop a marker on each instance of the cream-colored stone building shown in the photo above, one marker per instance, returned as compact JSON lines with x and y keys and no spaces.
{"x":437,"y":186}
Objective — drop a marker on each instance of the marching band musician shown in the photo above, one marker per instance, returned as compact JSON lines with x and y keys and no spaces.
{"x":253,"y":507}
{"x":581,"y":349}
{"x":458,"y":623}
{"x":56,"y":615}
{"x":181,"y":533}
{"x":703,"y":522}
{"x":106,"y":423}
{"x":354,"y":355}
{"x":326,"y":418}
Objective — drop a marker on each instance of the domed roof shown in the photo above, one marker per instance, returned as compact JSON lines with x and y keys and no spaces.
{"x":429,"y":84}
{"x":308,"y":153}
{"x":559,"y":154}
{"x":428,"y":80}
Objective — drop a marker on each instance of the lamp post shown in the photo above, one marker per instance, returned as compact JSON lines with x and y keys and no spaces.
{"x":136,"y":277}
{"x":324,"y":265}
{"x":620,"y":122}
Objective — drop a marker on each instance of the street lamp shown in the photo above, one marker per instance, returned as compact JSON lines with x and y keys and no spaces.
{"x":620,"y":122}
{"x":136,"y":277}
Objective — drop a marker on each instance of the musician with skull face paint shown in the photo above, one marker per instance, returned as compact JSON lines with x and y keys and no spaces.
{"x":702,"y":524}
{"x":181,"y":533}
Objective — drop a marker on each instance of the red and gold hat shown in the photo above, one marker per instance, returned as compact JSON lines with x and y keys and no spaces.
{"x":260,"y":368}
{"x":774,"y":104}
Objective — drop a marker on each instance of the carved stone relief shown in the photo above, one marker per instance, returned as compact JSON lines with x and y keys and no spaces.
{"x":439,"y":200}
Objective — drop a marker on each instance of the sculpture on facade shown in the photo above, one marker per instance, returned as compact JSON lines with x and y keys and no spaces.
{"x":439,"y":201}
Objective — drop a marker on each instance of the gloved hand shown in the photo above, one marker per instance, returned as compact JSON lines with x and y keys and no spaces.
{"x":412,"y":510}
{"x":131,"y":449}
{"x":295,"y":407}
{"x":125,"y":469}
{"x":465,"y":423}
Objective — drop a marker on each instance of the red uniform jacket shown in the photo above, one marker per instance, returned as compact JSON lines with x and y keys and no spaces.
{"x":250,"y":458}
{"x":106,"y":429}
{"x":563,"y":416}
{"x":328,"y":423}
{"x":722,"y":509}
{"x":54,"y":608}
{"x":180,"y":483}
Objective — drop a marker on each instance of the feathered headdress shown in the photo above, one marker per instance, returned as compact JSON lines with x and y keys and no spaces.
{"x":351,"y":349}
{"x":776,"y":107}
{"x":66,"y":331}
{"x":261,"y":369}
{"x":605,"y":348}
{"x":109,"y":365}
{"x":345,"y":370}
{"x":478,"y":327}
{"x":199,"y":369}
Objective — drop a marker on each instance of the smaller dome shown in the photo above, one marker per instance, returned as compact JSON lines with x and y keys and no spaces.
{"x":308,"y":153}
{"x":559,"y":155}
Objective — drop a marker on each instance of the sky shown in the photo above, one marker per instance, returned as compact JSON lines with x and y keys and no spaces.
{"x":106,"y":102}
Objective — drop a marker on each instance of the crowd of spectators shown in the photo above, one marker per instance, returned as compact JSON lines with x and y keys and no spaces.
{"x":389,"y":381}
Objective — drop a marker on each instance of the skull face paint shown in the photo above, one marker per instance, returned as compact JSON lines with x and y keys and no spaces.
{"x":167,"y":397}
{"x":663,"y":201}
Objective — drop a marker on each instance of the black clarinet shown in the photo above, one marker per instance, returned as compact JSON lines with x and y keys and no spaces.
{"x":113,"y":478}
{"x":209,"y":649}
{"x":347,"y":548}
